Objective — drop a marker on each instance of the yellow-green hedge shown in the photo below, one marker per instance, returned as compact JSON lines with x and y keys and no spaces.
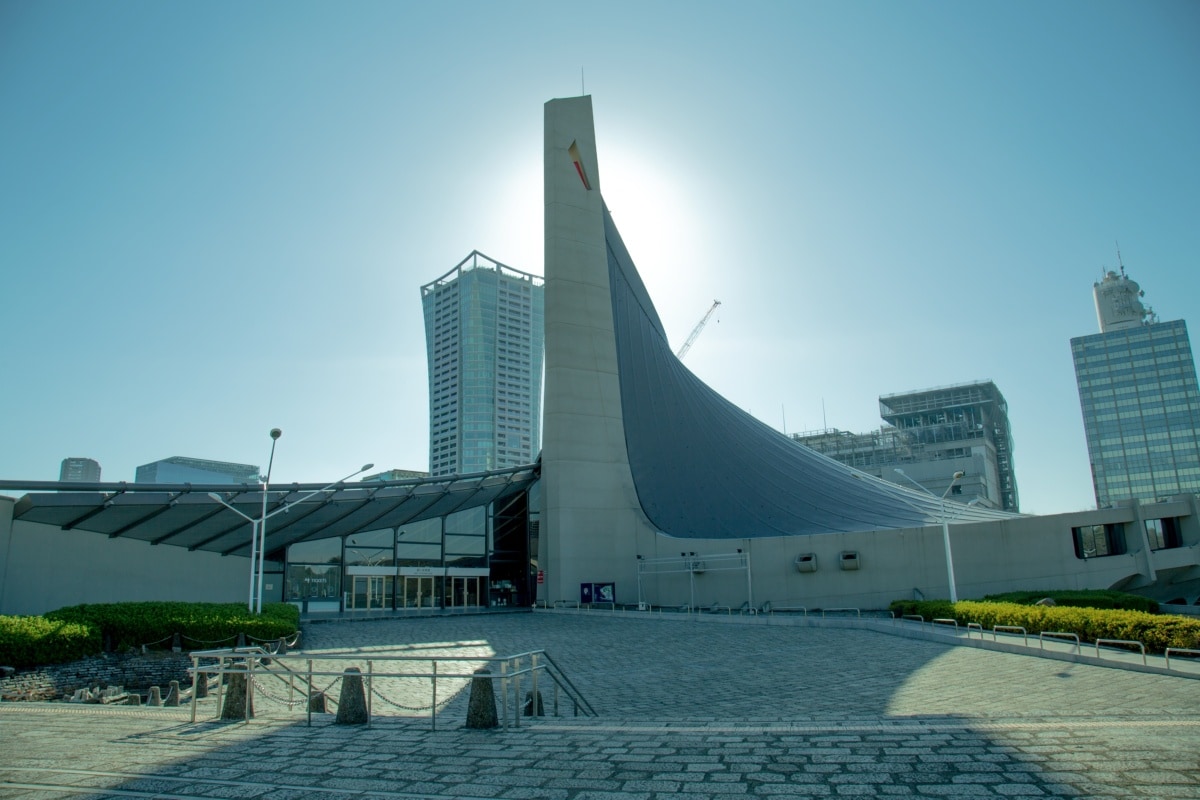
{"x":1156,"y":631}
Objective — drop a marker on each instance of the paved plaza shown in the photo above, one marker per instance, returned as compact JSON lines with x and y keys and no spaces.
{"x":686,"y":711}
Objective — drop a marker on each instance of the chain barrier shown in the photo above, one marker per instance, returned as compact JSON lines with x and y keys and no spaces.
{"x":441,"y":706}
{"x":269,"y":696}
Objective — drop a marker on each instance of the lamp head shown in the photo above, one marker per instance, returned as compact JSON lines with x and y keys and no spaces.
{"x":897,"y":469}
{"x":366,"y":467}
{"x":276,"y":433}
{"x":216,"y":497}
{"x":958,"y":475}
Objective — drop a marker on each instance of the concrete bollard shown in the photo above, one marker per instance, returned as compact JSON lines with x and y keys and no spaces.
{"x":316,"y":703}
{"x":134,"y":699}
{"x":352,"y":704}
{"x":201,"y":685}
{"x":481,"y":705}
{"x":241,"y":640}
{"x":173,"y":695}
{"x":281,"y":648}
{"x":529,"y":712}
{"x":176,"y":643}
{"x":155,"y":697}
{"x":236,"y":706}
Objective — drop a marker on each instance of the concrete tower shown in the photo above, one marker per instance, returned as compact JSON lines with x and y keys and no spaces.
{"x":592,"y":517}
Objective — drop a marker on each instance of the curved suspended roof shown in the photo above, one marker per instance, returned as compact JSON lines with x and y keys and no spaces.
{"x":704,"y":468}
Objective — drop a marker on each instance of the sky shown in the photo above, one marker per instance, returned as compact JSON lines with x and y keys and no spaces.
{"x":215,"y":217}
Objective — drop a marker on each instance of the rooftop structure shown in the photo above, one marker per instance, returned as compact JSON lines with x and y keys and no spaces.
{"x":180,"y":469}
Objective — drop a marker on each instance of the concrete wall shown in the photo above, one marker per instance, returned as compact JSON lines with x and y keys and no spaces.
{"x":43,"y":568}
{"x":1024,"y":553}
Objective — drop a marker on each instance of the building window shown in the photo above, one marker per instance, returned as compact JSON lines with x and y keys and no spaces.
{"x":1096,"y":541}
{"x":1163,"y":533}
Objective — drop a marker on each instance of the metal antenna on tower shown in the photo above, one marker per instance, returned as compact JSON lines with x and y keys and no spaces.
{"x":1120,"y":263}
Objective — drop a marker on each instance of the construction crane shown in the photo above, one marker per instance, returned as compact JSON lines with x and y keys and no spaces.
{"x":696,"y":330}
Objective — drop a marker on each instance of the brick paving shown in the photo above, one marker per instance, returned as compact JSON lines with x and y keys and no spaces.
{"x":687,"y":711}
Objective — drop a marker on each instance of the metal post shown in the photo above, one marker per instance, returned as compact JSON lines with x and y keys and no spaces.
{"x":433,"y":700}
{"x":249,"y":687}
{"x":504,"y":690}
{"x":253,"y":555}
{"x":195,"y":682}
{"x":949,"y":557}
{"x":533,"y":667}
{"x":370,"y":689}
{"x":309,"y":693}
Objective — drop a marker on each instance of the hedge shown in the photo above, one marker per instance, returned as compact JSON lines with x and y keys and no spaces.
{"x":1088,"y":598}
{"x":1156,"y":631}
{"x":123,"y":625}
{"x":32,"y":641}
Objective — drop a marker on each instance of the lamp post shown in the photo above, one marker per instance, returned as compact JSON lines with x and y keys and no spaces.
{"x":258,"y":527}
{"x":945,"y":526}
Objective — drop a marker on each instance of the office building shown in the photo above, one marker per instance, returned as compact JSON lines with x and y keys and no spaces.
{"x":79,"y":470}
{"x":395,"y":475}
{"x":931,"y":435}
{"x":484,"y":333}
{"x":179,"y":469}
{"x":1138,"y":395}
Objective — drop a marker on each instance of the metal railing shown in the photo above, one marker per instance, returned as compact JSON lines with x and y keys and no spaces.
{"x":256,"y":665}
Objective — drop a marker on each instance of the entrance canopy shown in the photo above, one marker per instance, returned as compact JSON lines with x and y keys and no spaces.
{"x":185,"y":515}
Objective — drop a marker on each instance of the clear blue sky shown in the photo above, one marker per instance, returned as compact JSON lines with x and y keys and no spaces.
{"x":215,"y":217}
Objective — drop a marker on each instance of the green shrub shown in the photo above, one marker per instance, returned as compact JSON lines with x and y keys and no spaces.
{"x":1089,"y":598}
{"x":1156,"y":631}
{"x":202,"y":625}
{"x":32,"y":641}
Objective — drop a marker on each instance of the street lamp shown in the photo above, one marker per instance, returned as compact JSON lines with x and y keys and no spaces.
{"x":945,"y":525}
{"x":259,"y":526}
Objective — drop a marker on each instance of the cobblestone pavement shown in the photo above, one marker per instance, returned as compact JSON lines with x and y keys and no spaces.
{"x":686,"y":711}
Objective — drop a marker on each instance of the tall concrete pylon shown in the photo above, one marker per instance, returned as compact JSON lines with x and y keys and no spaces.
{"x":592,"y":520}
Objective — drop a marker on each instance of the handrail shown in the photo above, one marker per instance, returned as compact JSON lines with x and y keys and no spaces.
{"x":916,"y":617}
{"x":1188,"y":650}
{"x":944,"y":621}
{"x":254,"y":661}
{"x":1058,"y":635}
{"x":1137,"y":644}
{"x":974,"y":626}
{"x":1010,"y":629}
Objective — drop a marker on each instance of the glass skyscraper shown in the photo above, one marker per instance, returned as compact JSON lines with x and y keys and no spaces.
{"x":1140,"y":403}
{"x":484,"y":335}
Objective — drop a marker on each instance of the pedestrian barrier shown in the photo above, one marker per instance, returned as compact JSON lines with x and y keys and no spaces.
{"x":1187,"y":650}
{"x":1010,"y":629}
{"x":974,"y":626}
{"x":1058,"y":635}
{"x":944,"y":621}
{"x":1138,"y":645}
{"x":263,"y":672}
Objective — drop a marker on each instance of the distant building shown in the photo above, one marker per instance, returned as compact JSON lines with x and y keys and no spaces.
{"x":1139,"y":398}
{"x":932,"y":434}
{"x":396,"y":475}
{"x":79,"y":470}
{"x":179,"y":469}
{"x":484,"y":333}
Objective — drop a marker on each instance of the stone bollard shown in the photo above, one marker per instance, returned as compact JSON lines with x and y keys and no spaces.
{"x":529,"y":712}
{"x":316,"y":703}
{"x":241,"y":640}
{"x":352,"y":704}
{"x":281,"y":648}
{"x":134,"y":699}
{"x":481,"y":705}
{"x":155,"y":697}
{"x":173,"y":695}
{"x":236,"y":706}
{"x":201,"y":685}
{"x":176,"y":643}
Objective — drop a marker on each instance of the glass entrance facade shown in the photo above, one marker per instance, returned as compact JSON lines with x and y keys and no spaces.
{"x":474,"y":558}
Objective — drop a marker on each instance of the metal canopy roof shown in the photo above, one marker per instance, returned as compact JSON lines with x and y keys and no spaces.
{"x":184,"y":515}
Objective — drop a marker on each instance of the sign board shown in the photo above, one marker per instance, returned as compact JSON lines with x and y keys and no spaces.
{"x":541,"y":576}
{"x":597,"y":592}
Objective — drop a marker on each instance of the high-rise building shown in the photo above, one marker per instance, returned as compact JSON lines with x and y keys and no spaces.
{"x":1138,"y":394}
{"x":484,"y":334}
{"x":931,"y":435}
{"x":179,"y":469}
{"x":79,"y":470}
